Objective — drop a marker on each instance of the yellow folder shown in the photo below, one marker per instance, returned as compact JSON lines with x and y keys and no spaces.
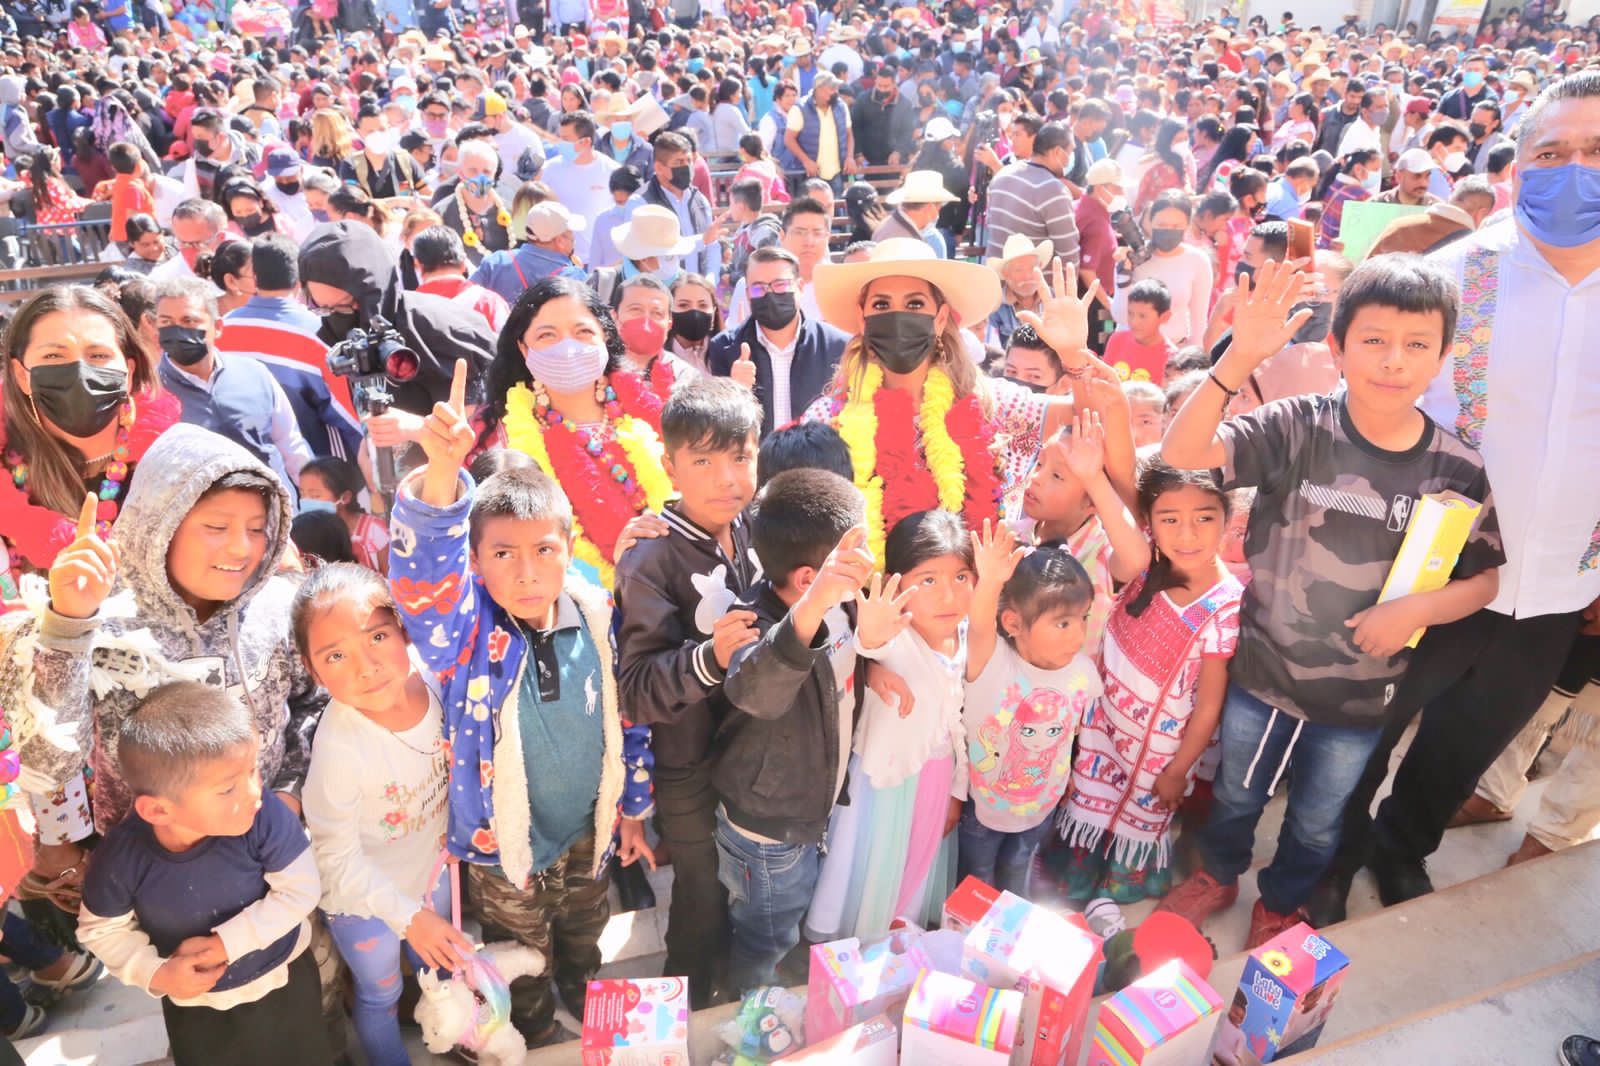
{"x":1440,"y":526}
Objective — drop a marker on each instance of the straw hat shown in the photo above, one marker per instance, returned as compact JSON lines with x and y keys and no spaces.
{"x":651,"y":233}
{"x":646,"y":115}
{"x":799,"y":47}
{"x":921,"y":187}
{"x":1018,"y":247}
{"x":611,"y":107}
{"x":972,"y":289}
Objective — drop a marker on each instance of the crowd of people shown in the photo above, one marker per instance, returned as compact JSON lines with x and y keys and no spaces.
{"x":833,"y":449}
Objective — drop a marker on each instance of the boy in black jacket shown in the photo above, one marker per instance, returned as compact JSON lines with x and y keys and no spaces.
{"x":674,"y":593}
{"x":781,"y":751}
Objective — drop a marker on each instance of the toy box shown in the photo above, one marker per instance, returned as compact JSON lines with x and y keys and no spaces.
{"x":848,"y":984}
{"x":637,"y":1022}
{"x":875,"y":1042}
{"x":1050,"y":961}
{"x":1165,"y":1018}
{"x":950,"y":1021}
{"x":968,"y":904}
{"x":1288,"y":987}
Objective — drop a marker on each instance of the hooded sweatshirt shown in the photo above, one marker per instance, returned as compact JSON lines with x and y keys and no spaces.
{"x":88,"y":674}
{"x":351,"y":257}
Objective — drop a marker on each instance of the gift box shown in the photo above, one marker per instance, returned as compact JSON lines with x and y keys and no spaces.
{"x":641,"y":1022}
{"x":848,"y":984}
{"x":1166,"y":1018}
{"x":951,"y":1021}
{"x":967,"y":905}
{"x":1051,"y":961}
{"x":875,"y":1042}
{"x":1285,"y":994}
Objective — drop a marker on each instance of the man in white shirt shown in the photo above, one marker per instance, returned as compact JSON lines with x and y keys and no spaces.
{"x":198,"y":227}
{"x":511,"y":138}
{"x":1525,"y":397}
{"x":1366,"y":132}
{"x":843,"y":50}
{"x":806,"y":229}
{"x":580,"y":178}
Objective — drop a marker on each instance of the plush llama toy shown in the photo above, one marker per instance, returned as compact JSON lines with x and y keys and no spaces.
{"x":473,"y":1007}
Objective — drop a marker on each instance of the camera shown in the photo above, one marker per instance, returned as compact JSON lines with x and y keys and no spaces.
{"x":372,"y":360}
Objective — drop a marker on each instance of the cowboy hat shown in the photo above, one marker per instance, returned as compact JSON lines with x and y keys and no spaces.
{"x":921,"y":187}
{"x":1019,"y":247}
{"x":972,"y":290}
{"x":652,"y":233}
{"x":799,"y":47}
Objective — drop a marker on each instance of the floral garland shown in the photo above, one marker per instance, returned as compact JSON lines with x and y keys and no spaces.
{"x":469,"y":236}
{"x":608,"y":481}
{"x":641,"y":400}
{"x":955,"y":469}
{"x":663,"y":378}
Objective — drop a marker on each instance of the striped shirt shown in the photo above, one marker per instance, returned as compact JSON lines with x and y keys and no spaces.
{"x":1027,"y":198}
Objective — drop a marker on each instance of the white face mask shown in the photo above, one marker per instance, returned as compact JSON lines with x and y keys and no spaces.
{"x":1373,"y":181}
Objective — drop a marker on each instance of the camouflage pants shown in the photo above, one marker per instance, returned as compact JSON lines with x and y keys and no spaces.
{"x":561,"y":913}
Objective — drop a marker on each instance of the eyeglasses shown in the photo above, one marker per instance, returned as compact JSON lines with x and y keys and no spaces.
{"x":782,"y":286}
{"x":200,"y":245}
{"x":324,"y":312}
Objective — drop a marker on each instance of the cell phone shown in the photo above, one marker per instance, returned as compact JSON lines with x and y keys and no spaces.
{"x":1300,"y":239}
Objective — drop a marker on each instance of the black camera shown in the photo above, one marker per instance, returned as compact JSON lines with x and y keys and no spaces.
{"x":372,"y":360}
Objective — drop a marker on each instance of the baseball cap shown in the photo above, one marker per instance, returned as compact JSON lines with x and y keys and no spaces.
{"x":490,"y":103}
{"x":939,"y":128}
{"x":1419,"y":106}
{"x":1415,"y":161}
{"x":1455,"y":161}
{"x":282,"y":162}
{"x":548,"y":220}
{"x":1103,"y":172}
{"x":411,"y":140}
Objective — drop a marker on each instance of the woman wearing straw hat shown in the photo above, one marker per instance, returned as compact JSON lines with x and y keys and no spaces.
{"x":905,"y":386}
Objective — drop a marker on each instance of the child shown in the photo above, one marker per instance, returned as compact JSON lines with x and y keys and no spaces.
{"x":1067,"y":498}
{"x":335,"y":485}
{"x":678,"y":633}
{"x":200,"y":896}
{"x":1139,"y":352}
{"x":1147,"y":409}
{"x":782,"y":748}
{"x":1025,"y":696}
{"x":375,"y":796}
{"x":197,"y":545}
{"x":1165,"y":665}
{"x":889,"y":852}
{"x":541,"y":763}
{"x":127,"y":191}
{"x":1337,"y":477}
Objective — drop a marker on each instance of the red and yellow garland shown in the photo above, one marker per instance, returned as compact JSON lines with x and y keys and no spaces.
{"x":954,"y":469}
{"x":642,"y":400}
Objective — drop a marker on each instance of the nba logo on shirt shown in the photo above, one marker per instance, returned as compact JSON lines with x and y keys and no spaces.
{"x":1400,"y":513}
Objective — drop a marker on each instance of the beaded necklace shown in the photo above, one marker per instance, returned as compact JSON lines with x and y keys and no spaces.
{"x":111,"y":479}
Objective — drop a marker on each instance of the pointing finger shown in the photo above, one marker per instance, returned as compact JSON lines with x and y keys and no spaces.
{"x":86,"y":514}
{"x":458,"y":387}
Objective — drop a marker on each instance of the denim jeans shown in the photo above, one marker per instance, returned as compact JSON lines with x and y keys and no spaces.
{"x":1321,"y":771}
{"x":372,"y":951}
{"x":26,"y":947}
{"x":996,"y":858}
{"x":769,"y":888}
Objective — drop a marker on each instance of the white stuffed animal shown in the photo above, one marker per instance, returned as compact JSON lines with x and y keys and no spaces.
{"x":473,"y":1008}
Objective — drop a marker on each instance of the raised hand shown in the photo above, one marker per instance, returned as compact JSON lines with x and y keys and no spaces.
{"x":1062,"y":321}
{"x":1085,"y":446}
{"x":84,"y":571}
{"x":881,"y":613}
{"x":996,"y":553}
{"x":744,"y":370}
{"x":1263,"y":316}
{"x":446,"y":436}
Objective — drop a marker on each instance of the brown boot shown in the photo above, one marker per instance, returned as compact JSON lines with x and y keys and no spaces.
{"x":1530,"y":849}
{"x":1477,"y":811}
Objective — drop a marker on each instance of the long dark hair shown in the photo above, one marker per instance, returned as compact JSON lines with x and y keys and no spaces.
{"x":1359,"y":157}
{"x":925,"y":535}
{"x":1162,"y":145}
{"x":1235,"y":147}
{"x":510,"y":368}
{"x":1157,"y":478}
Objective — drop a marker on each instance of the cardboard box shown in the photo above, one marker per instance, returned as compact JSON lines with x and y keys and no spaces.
{"x":1050,"y":961}
{"x":637,"y":1022}
{"x":951,"y":1021}
{"x":875,"y":1042}
{"x":968,"y":904}
{"x":1288,"y":987}
{"x":848,"y":984}
{"x":1165,"y":1018}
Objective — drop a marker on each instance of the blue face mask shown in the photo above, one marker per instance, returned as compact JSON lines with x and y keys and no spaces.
{"x":1560,"y":206}
{"x":621,"y":131}
{"x":953,"y":108}
{"x":566,"y":150}
{"x":1472,"y":79}
{"x":479,"y":184}
{"x":788,"y":61}
{"x":958,"y":47}
{"x":311,"y":506}
{"x":696,"y":65}
{"x":406,"y":104}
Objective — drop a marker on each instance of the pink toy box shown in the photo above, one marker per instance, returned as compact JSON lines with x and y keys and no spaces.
{"x":1165,"y":1018}
{"x":848,"y":984}
{"x":950,"y":1021}
{"x":641,"y":1022}
{"x":968,"y":904}
{"x":875,"y":1042}
{"x":1285,"y":994}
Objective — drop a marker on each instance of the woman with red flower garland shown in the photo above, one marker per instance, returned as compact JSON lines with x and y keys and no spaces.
{"x":925,"y":430}
{"x":558,"y":393}
{"x":644,"y":320}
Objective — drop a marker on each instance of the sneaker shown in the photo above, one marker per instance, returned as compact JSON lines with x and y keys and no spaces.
{"x":1104,"y":917}
{"x":1580,"y":1051}
{"x":1265,"y":924}
{"x":1198,"y":897}
{"x":33,"y":1019}
{"x":1399,"y":879}
{"x":1329,"y":900}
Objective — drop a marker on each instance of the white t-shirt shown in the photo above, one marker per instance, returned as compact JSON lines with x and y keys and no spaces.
{"x":842,"y":657}
{"x":584,"y":189}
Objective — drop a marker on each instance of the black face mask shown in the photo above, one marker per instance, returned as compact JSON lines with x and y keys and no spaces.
{"x":80,"y":399}
{"x":902,"y":340}
{"x":682,"y":176}
{"x":184,"y":345}
{"x":253,"y":224}
{"x":289,"y":188}
{"x":340,"y":323}
{"x":203,"y":149}
{"x":692,"y":326}
{"x":1031,"y":386}
{"x":1165,"y":240}
{"x":1241,"y":270}
{"x":774,"y":310}
{"x":1477,"y":129}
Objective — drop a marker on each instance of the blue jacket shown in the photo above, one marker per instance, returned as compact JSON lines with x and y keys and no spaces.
{"x":478,"y":653}
{"x":810,"y":135}
{"x":510,"y":272}
{"x":817,"y":348}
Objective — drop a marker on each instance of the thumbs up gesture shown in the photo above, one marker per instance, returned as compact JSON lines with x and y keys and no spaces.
{"x":83,"y":573}
{"x":744,"y":371}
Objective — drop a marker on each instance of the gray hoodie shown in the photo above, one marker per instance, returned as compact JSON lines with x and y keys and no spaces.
{"x":74,"y":680}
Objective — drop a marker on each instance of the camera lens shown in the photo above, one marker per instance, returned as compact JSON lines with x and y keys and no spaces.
{"x":401,"y":365}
